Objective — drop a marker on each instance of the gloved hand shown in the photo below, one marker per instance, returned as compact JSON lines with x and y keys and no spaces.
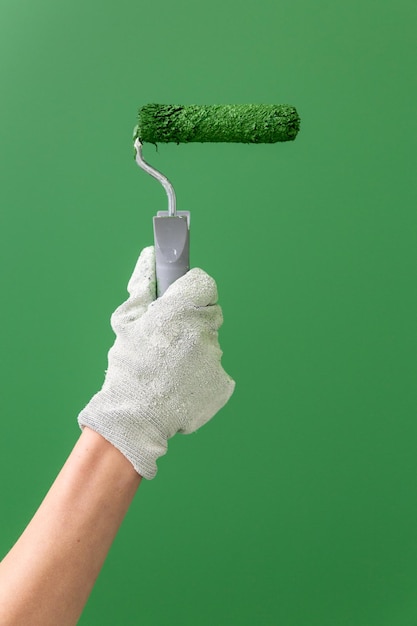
{"x":164,"y":373}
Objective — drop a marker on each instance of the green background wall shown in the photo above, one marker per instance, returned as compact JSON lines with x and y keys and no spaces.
{"x":297,"y":504}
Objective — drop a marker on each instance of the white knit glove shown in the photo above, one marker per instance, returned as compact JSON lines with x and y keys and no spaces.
{"x":164,"y":373}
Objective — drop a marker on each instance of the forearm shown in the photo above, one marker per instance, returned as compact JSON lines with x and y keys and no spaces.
{"x":48,"y":575}
{"x":164,"y":376}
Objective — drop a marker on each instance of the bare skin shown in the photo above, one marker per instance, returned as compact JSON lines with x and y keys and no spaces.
{"x":47,"y":577}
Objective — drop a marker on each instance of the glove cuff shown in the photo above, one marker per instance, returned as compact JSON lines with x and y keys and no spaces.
{"x":141,"y":442}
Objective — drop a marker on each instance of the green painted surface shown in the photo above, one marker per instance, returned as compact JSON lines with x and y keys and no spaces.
{"x":297,"y":505}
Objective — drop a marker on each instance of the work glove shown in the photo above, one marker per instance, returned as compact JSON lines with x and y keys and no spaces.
{"x":164,"y":370}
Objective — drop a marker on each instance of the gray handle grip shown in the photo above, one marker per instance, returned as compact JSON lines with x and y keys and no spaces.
{"x":172,"y":248}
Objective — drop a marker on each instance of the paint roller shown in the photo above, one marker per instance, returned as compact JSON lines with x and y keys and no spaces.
{"x":226,"y":123}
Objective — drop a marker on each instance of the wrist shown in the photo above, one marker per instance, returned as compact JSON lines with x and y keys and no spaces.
{"x":96,"y":453}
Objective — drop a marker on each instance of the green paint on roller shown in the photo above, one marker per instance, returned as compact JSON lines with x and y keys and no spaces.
{"x":237,"y":123}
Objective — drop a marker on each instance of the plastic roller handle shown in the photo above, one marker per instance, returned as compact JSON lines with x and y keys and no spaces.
{"x":172,"y":248}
